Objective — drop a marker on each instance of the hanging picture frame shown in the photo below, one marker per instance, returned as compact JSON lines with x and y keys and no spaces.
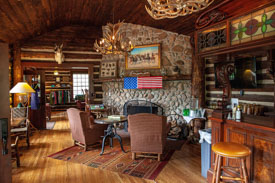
{"x":108,"y":69}
{"x":144,"y":57}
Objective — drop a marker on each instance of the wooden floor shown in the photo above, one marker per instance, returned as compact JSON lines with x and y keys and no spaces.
{"x":184,"y":166}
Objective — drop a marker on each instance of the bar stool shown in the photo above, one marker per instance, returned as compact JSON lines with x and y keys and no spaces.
{"x":230,"y":150}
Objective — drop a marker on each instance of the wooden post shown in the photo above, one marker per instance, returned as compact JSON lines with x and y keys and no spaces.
{"x":17,"y":70}
{"x":197,"y":74}
{"x":91,"y":83}
{"x":5,"y":165}
{"x":273,"y":62}
{"x":198,"y":79}
{"x":42,"y":99}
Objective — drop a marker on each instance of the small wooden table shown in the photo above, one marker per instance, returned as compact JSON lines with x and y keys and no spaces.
{"x":111,"y":131}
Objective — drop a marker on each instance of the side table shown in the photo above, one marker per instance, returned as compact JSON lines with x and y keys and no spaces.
{"x":111,"y":131}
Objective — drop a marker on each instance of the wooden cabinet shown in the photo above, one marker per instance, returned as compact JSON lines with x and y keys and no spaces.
{"x":260,"y":139}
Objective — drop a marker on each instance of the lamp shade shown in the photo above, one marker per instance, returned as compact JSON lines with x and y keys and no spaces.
{"x":22,"y":87}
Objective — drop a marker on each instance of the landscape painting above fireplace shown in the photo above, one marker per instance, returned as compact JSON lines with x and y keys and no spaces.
{"x":144,"y":57}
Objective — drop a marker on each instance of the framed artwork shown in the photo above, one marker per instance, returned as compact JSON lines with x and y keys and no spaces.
{"x":108,"y":69}
{"x":144,"y":57}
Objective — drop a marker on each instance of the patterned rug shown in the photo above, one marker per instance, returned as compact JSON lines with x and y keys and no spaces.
{"x":115,"y":160}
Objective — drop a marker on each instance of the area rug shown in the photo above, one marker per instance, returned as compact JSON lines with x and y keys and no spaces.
{"x":115,"y":160}
{"x":50,"y":125}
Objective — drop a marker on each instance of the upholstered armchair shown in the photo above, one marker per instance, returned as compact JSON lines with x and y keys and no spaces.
{"x":148,"y":134}
{"x":84,"y":131}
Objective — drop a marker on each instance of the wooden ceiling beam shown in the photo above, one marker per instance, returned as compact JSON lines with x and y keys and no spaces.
{"x":50,"y":46}
{"x":56,"y":65}
{"x":31,"y":54}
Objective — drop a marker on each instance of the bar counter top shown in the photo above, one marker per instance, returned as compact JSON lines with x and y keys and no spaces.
{"x":264,"y":122}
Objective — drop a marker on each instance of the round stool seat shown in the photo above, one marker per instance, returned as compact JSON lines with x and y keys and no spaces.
{"x":230,"y":149}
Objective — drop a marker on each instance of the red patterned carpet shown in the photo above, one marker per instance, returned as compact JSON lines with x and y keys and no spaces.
{"x":114,"y":159}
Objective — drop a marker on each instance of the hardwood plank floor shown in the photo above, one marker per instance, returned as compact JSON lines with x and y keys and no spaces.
{"x":184,"y":166}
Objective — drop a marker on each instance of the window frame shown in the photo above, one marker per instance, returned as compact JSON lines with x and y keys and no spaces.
{"x":81,"y":86}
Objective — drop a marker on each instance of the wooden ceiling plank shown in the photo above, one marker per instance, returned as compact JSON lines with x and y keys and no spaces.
{"x":6,"y":36}
{"x":41,"y":14}
{"x":103,"y":13}
{"x":75,"y":11}
{"x":91,"y":12}
{"x":71,"y":11}
{"x":15,"y":25}
{"x":80,"y":10}
{"x":60,"y":13}
{"x":19,"y":7}
{"x":8,"y":31}
{"x":127,"y":8}
{"x":85,"y":8}
{"x":51,"y":12}
{"x":46,"y":6}
{"x":37,"y":21}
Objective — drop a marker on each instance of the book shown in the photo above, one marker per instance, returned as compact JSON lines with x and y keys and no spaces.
{"x":115,"y":117}
{"x":99,"y":106}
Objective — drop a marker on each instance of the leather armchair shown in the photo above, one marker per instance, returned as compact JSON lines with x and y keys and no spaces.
{"x":84,"y":131}
{"x":148,"y":133}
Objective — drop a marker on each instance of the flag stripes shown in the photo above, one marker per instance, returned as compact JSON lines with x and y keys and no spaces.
{"x":143,"y":82}
{"x":150,"y":82}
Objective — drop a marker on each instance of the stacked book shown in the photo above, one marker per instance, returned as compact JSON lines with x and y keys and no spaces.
{"x":116,"y":117}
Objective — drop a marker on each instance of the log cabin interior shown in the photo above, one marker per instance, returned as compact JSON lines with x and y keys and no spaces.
{"x":137,"y":91}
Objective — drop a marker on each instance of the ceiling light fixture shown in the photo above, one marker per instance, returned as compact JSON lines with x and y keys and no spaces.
{"x":112,"y":41}
{"x":161,"y":9}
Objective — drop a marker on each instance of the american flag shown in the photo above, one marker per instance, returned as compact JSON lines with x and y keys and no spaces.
{"x":142,"y":82}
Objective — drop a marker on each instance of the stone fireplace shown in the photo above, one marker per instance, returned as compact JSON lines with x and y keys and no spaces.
{"x":173,"y":97}
{"x":176,"y":59}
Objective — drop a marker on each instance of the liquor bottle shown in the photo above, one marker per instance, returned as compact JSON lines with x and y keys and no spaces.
{"x":238,"y":114}
{"x":234,"y":112}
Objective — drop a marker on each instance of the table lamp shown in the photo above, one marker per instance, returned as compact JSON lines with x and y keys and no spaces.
{"x":22,"y":88}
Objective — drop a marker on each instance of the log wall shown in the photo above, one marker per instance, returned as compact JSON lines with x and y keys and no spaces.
{"x":78,"y":51}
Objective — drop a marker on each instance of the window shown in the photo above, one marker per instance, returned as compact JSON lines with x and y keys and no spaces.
{"x":80,"y":82}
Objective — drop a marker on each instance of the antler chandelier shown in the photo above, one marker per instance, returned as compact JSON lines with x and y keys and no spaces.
{"x":161,"y":9}
{"x":112,"y":41}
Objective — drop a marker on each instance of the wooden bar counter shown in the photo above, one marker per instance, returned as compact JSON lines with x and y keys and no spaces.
{"x":256,"y":132}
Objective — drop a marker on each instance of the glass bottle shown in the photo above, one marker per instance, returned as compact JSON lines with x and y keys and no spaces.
{"x":238,"y":114}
